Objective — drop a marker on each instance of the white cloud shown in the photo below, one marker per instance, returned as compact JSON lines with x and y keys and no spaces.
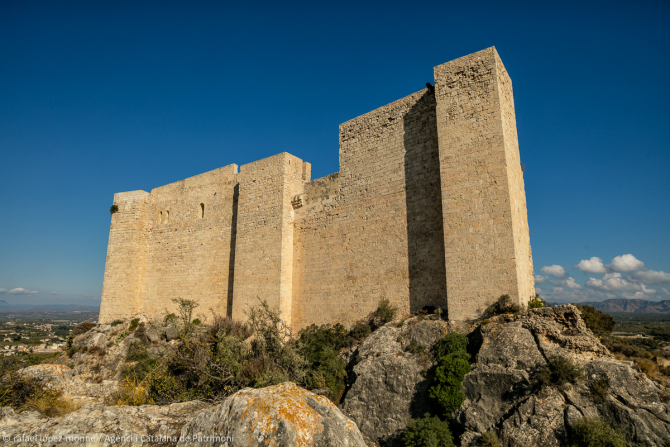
{"x":614,"y":282}
{"x":539,"y":279}
{"x":593,"y":265}
{"x":651,"y":276}
{"x":554,"y":270}
{"x":21,"y":291}
{"x":626,"y":263}
{"x":570,"y":282}
{"x":665,"y":290}
{"x":3,"y":290}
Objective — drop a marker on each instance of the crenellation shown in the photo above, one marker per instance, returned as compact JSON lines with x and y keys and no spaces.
{"x":428,"y":208}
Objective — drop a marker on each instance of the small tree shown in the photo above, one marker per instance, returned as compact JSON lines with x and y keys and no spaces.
{"x":428,"y":432}
{"x":113,"y":209}
{"x":598,"y":322}
{"x":185,"y":308}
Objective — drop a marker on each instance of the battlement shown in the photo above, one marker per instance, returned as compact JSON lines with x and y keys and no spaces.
{"x":428,"y":208}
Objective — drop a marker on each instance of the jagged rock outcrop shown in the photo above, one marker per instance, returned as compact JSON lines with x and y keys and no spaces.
{"x":74,"y":388}
{"x":100,"y":354}
{"x":281,"y":415}
{"x":503,"y":394}
{"x":389,"y":383}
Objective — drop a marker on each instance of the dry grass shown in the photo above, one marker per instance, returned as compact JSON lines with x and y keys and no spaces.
{"x":51,"y":403}
{"x":132,"y":393}
{"x":230,"y":327}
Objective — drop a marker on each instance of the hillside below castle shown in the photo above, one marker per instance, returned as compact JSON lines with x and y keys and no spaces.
{"x":428,"y":209}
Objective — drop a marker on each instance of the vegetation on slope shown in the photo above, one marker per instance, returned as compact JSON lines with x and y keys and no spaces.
{"x":213,"y":362}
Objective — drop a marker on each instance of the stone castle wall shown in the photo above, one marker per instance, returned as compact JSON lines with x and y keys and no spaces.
{"x":428,"y":208}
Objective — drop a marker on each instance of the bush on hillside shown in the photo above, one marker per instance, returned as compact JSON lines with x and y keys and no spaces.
{"x":503,"y":305}
{"x":598,"y":322}
{"x":360,"y":331}
{"x":134,"y":323}
{"x":29,"y":393}
{"x":83,"y":328}
{"x":595,"y":433}
{"x":489,"y":439}
{"x":428,"y":432}
{"x":384,"y":314}
{"x":535,"y":302}
{"x":213,"y":364}
{"x":453,"y":365}
{"x":599,"y":389}
{"x":185,"y":307}
{"x":559,"y":371}
{"x":320,"y":346}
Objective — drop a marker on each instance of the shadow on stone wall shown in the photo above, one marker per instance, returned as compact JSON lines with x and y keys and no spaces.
{"x":231,"y":261}
{"x":425,"y":234}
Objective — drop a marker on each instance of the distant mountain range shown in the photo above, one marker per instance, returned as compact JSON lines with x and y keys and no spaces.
{"x":7,"y":307}
{"x":631,"y":306}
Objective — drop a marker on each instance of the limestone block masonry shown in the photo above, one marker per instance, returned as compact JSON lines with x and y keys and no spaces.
{"x":428,"y":208}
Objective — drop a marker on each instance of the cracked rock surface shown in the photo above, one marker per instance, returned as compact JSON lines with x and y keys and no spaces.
{"x":503,"y":396}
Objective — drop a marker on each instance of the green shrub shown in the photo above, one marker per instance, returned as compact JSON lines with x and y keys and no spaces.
{"x":385,"y":312}
{"x":599,"y":388}
{"x":535,"y":302}
{"x":116,"y":323}
{"x":133,"y":324}
{"x":453,"y":365}
{"x":453,"y":342}
{"x":489,"y":439}
{"x":113,"y":209}
{"x":121,"y":336}
{"x":503,"y":305}
{"x":210,"y":365}
{"x":320,"y":346}
{"x":598,"y":322}
{"x":83,"y":328}
{"x":196,"y":322}
{"x":559,"y":371}
{"x":185,"y":308}
{"x":170,"y":317}
{"x":416,"y":348}
{"x":71,"y":351}
{"x":136,"y":352}
{"x":360,"y":331}
{"x":428,"y":432}
{"x":595,"y":433}
{"x":273,"y":337}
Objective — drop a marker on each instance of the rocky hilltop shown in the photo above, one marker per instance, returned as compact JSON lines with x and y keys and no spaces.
{"x":510,"y":393}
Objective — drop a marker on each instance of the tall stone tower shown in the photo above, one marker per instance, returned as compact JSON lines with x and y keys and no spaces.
{"x":486,"y":238}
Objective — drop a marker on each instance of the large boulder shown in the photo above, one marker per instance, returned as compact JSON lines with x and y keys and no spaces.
{"x":282,"y":415}
{"x":99,"y":425}
{"x":389,"y":384}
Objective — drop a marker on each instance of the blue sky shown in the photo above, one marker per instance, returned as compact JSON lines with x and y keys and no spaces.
{"x":109,"y":96}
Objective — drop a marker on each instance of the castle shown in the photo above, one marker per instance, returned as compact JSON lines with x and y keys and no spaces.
{"x":428,"y":208}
